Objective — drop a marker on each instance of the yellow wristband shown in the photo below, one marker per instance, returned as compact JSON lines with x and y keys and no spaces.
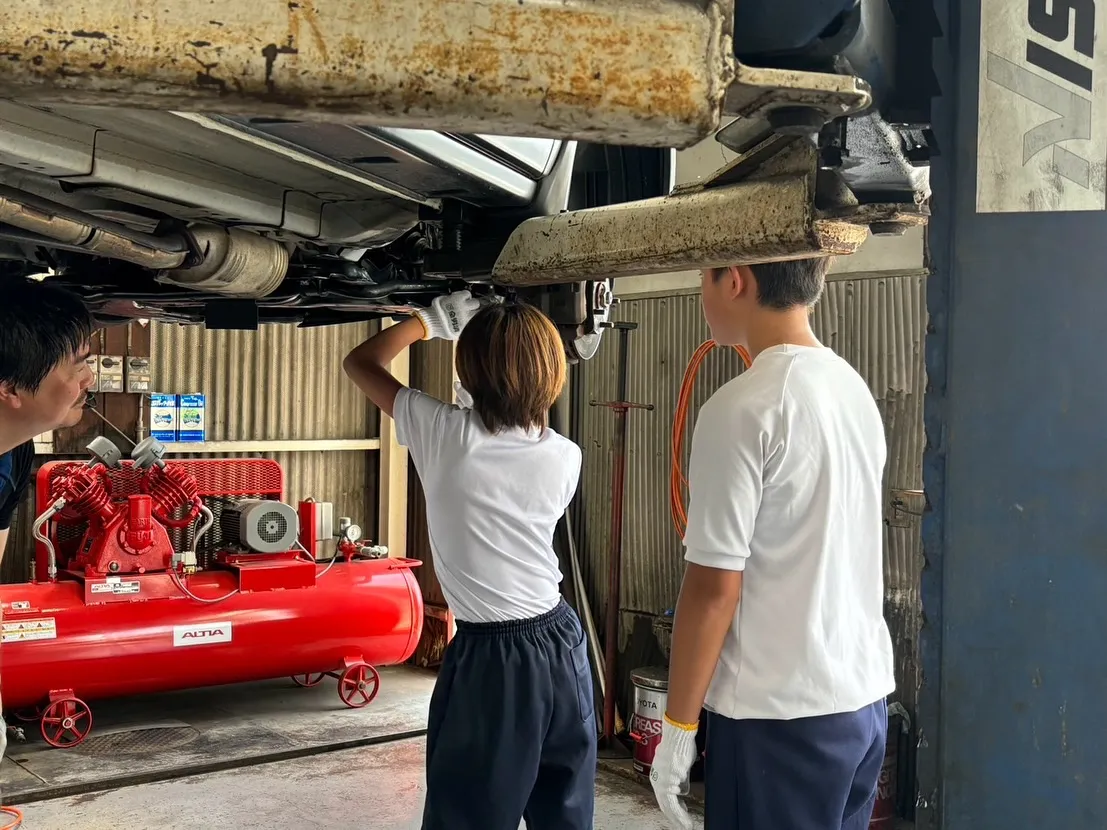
{"x":687,"y":727}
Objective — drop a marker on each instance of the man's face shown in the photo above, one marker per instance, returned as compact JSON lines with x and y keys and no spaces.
{"x":60,"y":399}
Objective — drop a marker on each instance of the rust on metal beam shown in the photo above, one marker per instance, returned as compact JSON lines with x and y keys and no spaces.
{"x":756,"y":220}
{"x":648,"y":72}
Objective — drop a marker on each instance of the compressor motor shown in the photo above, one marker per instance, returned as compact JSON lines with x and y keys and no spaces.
{"x":260,"y":525}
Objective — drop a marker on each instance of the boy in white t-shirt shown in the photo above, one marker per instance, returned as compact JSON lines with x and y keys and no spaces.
{"x":512,"y":731}
{"x":779,"y":630}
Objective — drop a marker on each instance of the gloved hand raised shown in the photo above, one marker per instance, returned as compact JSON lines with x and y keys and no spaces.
{"x":669,"y":773}
{"x":447,"y":316}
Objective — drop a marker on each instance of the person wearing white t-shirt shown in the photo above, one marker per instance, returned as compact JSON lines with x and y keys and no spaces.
{"x":779,"y":631}
{"x":512,"y":731}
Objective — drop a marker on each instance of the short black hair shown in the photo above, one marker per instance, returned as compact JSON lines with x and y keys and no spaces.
{"x":40,"y":326}
{"x":785,"y":285}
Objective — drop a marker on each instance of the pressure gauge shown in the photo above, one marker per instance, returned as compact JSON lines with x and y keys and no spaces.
{"x":351,"y":533}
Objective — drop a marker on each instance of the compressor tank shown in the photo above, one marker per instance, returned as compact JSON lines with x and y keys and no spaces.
{"x":141,"y":634}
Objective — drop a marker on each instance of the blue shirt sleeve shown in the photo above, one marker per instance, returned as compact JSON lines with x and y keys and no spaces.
{"x":15,"y":475}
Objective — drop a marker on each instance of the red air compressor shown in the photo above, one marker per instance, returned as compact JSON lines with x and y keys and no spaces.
{"x":148,"y":582}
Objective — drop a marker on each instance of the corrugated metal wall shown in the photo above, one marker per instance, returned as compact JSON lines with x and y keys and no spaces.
{"x":279,"y":383}
{"x":876,"y":322}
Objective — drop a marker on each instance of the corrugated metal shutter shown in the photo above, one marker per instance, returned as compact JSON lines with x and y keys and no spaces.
{"x":278,"y":383}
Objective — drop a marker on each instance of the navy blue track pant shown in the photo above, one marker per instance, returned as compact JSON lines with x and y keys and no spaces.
{"x":512,"y":731}
{"x":806,"y":774}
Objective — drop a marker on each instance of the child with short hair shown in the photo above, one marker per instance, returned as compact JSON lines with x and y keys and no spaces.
{"x":512,"y":730}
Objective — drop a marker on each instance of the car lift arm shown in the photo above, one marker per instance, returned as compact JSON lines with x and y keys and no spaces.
{"x":647,"y":72}
{"x":771,"y":203}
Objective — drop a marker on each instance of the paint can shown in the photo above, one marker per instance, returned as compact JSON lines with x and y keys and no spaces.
{"x":884,"y":811}
{"x":651,"y":690}
{"x":886,"y":807}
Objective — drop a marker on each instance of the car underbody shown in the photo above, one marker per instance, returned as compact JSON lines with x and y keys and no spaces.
{"x":201,"y":217}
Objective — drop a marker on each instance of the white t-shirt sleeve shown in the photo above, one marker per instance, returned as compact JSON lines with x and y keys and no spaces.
{"x":421,"y":424}
{"x":575,"y":462}
{"x":725,"y":479}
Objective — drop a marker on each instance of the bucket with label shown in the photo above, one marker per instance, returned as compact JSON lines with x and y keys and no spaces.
{"x":651,"y":690}
{"x":884,"y":811}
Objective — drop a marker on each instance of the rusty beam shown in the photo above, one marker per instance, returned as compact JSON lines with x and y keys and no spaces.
{"x":766,"y":216}
{"x":647,"y":72}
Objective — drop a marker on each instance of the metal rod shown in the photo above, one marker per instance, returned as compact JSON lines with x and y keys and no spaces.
{"x":614,"y":574}
{"x":101,"y":416}
{"x":615,"y":553}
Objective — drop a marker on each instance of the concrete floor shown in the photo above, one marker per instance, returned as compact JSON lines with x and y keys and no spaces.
{"x":371,"y":787}
{"x":136,"y":740}
{"x":152,"y":762}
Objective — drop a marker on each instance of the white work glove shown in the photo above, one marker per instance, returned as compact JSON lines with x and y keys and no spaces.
{"x":669,"y":773}
{"x":447,"y":316}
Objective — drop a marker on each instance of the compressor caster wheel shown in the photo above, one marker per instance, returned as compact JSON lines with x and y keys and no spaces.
{"x":358,"y":685}
{"x":308,"y":680}
{"x":66,"y":722}
{"x":29,"y":715}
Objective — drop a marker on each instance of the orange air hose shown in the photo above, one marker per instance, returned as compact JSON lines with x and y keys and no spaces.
{"x":678,"y":482}
{"x":15,"y":814}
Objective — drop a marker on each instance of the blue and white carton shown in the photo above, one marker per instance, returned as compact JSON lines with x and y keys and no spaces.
{"x":190,"y":419}
{"x":163,"y":418}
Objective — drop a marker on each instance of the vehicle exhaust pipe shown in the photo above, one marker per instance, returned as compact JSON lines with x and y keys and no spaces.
{"x":204,"y":257}
{"x":73,"y":227}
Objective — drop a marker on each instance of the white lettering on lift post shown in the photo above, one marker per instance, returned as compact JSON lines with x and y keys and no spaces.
{"x":1042,"y":119}
{"x":201,"y":634}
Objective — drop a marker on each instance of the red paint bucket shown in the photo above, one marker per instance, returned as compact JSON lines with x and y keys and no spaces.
{"x":884,"y":811}
{"x":651,"y":690}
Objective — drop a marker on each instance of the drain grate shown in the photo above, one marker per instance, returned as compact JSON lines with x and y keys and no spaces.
{"x":139,"y":741}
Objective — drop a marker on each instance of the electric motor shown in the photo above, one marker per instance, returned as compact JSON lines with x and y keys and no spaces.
{"x":260,"y":525}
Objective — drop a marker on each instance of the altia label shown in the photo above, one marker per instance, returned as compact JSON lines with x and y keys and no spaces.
{"x":201,"y":634}
{"x":115,"y":585}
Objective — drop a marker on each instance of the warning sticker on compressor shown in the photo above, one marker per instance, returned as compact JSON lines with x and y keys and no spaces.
{"x":40,"y":629}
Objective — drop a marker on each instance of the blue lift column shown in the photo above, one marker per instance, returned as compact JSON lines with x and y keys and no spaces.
{"x":1013,"y":711}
